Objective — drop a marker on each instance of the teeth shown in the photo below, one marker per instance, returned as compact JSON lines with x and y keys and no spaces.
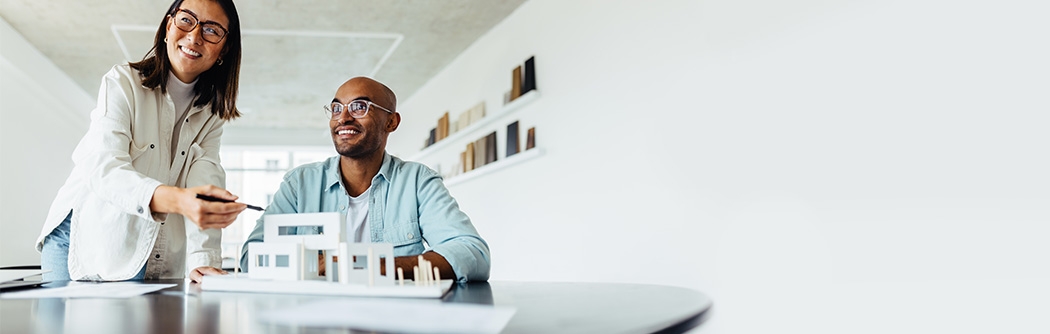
{"x":347,"y":132}
{"x":191,"y":52}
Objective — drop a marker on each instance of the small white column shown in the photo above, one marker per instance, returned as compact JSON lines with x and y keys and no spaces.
{"x":344,"y":264}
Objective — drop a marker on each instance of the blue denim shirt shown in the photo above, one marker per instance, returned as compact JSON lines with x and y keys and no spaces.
{"x":409,"y":205}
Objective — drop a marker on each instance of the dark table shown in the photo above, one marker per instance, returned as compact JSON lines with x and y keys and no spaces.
{"x":541,"y":308}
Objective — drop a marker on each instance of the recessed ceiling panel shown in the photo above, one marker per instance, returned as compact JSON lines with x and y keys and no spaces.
{"x":296,"y":53}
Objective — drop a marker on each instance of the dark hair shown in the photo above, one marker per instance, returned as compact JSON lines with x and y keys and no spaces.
{"x":217,"y":85}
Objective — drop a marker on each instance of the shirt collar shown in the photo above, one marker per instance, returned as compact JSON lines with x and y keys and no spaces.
{"x":335,"y":178}
{"x":331,"y":168}
{"x":387,"y":167}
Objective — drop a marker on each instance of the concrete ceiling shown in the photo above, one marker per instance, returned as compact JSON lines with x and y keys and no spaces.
{"x":296,"y":53}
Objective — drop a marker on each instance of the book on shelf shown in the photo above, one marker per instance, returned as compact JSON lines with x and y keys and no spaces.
{"x":463,"y":121}
{"x":442,"y":127}
{"x":447,"y":125}
{"x":515,"y":83}
{"x":479,"y":153}
{"x":462,"y":162}
{"x":468,"y":163}
{"x":530,"y":140}
{"x":512,"y":139}
{"x":477,"y":112}
{"x":528,"y":80}
{"x":437,"y":131}
{"x":433,"y":137}
{"x":490,"y":148}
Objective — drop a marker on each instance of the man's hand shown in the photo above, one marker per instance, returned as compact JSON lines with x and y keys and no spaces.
{"x":200,"y":272}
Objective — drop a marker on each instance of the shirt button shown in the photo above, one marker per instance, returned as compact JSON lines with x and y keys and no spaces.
{"x":158,"y":256}
{"x":187,"y":120}
{"x":341,"y":207}
{"x":140,"y":210}
{"x":183,"y":152}
{"x":151,"y":146}
{"x":410,"y":235}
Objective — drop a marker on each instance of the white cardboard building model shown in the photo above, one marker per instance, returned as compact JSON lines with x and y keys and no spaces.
{"x":286,"y":262}
{"x":307,"y":233}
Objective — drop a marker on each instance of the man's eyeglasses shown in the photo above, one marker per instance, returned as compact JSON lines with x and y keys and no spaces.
{"x":213,"y":32}
{"x":357,"y":108}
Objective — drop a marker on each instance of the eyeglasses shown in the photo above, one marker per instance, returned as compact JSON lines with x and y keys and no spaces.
{"x":357,"y":108}
{"x":213,"y":32}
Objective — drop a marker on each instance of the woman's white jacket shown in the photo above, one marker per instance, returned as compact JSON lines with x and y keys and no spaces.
{"x":125,"y":155}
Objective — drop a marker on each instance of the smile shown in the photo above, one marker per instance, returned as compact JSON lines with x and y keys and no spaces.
{"x":189,"y":52}
{"x":347,"y":132}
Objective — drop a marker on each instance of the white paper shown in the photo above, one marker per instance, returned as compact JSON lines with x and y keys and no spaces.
{"x":13,"y":274}
{"x":394,"y":316}
{"x":88,"y":290}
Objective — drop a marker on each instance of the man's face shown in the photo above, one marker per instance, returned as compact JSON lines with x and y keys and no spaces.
{"x":361,"y":137}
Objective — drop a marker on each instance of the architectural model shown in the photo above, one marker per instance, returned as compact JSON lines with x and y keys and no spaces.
{"x":287,"y":262}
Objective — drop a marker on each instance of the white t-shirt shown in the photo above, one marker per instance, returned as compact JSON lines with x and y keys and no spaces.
{"x":357,"y":228}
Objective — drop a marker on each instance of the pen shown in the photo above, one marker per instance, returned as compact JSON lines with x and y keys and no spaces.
{"x":216,"y":199}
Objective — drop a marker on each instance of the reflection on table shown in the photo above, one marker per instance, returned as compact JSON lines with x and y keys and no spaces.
{"x":541,"y":308}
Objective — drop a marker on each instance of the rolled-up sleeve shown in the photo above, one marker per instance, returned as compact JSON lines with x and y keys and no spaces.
{"x":448,"y":230}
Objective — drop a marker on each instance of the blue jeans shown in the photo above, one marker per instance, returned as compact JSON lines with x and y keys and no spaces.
{"x":54,"y":256}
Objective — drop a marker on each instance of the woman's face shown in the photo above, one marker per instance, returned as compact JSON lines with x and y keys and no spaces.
{"x":191,"y":53}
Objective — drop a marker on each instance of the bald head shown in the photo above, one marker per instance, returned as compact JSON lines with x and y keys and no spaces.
{"x":371,"y":90}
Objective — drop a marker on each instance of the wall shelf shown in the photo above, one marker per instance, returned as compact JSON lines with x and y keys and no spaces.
{"x":506,"y":110}
{"x":494,"y":166}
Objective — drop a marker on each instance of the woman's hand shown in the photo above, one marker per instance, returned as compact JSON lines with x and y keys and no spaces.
{"x":200,"y":272}
{"x":205,"y":214}
{"x":210,"y":214}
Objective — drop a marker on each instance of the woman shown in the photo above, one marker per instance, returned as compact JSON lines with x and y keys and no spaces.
{"x":152,"y":146}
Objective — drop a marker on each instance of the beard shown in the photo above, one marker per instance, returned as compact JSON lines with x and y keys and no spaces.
{"x":364,"y":148}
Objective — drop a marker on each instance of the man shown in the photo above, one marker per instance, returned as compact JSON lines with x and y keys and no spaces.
{"x":385,"y":199}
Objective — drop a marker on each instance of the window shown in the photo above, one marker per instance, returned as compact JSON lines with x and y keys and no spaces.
{"x":254,"y":174}
{"x":262,"y":260}
{"x":360,"y":262}
{"x":300,"y":230}
{"x":281,"y":261}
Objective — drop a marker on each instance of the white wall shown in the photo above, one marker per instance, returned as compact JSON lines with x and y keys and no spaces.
{"x":815,"y":167}
{"x":43,"y":114}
